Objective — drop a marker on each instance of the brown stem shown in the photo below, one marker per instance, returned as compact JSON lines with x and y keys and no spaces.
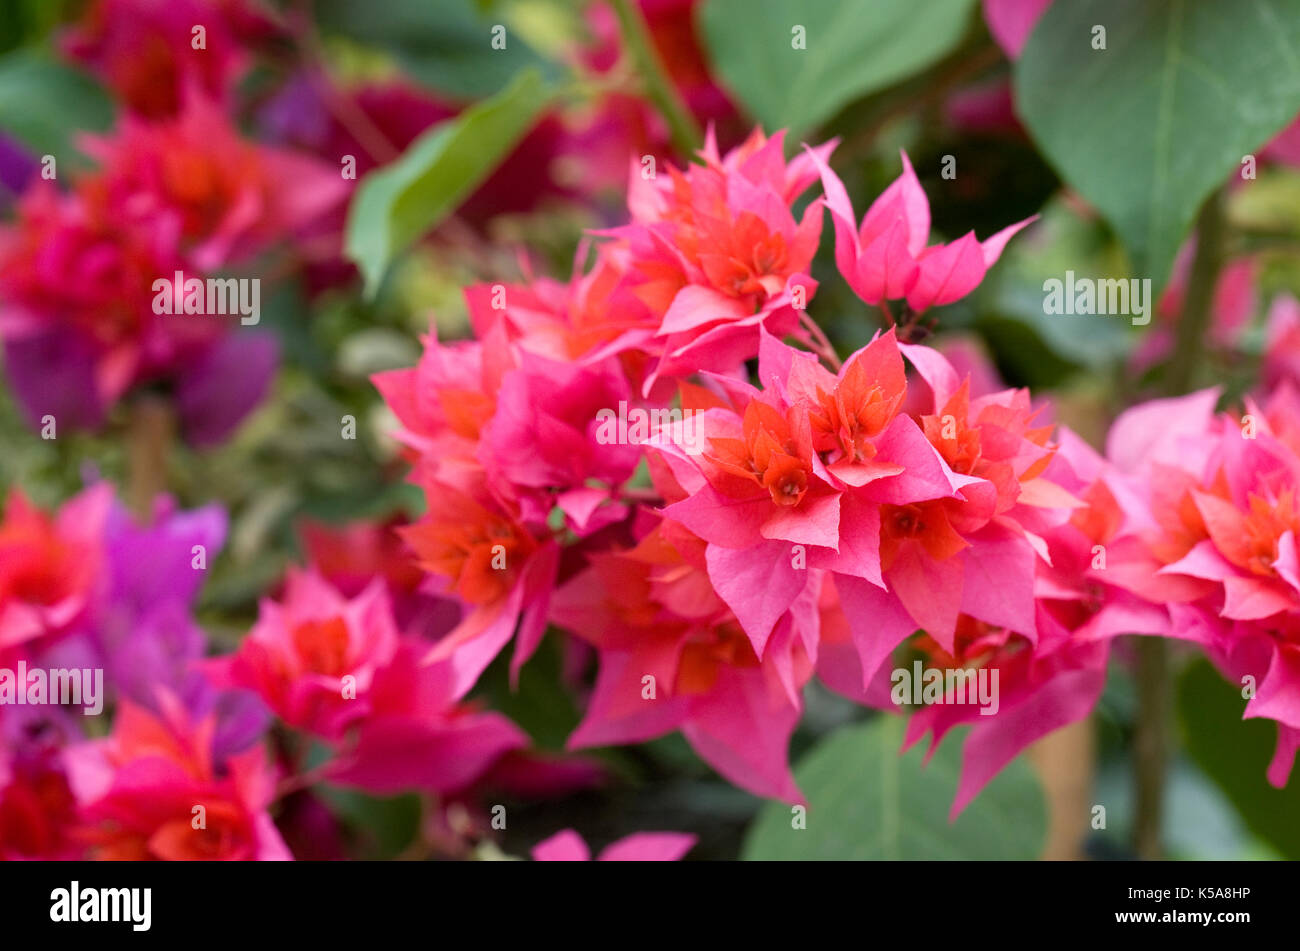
{"x":149,"y":437}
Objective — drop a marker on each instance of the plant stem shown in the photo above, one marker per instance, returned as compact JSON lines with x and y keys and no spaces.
{"x":148,"y":439}
{"x":305,"y":779}
{"x":659,"y":87}
{"x":823,"y":346}
{"x":1198,"y":304}
{"x":1151,"y":733}
{"x":1150,"y":751}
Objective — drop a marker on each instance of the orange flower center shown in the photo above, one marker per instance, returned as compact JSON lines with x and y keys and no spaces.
{"x":322,"y":646}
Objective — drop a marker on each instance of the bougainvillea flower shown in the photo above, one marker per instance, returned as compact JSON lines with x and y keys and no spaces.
{"x":568,"y":846}
{"x":153,"y":790}
{"x":79,"y":328}
{"x":339,"y":667}
{"x":142,"y":631}
{"x":973,"y":552}
{"x":541,"y":442}
{"x":77,"y":285}
{"x":1212,"y":502}
{"x":417,"y":735}
{"x":716,"y":253}
{"x":499,"y":569}
{"x":350,"y":556}
{"x":805,"y":462}
{"x":589,"y":317}
{"x":147,"y":52}
{"x":313,"y":656}
{"x":887,"y":257}
{"x":38,"y":812}
{"x":1039,"y":690}
{"x":501,"y":438}
{"x":51,"y":566}
{"x":445,"y":401}
{"x":673,"y":656}
{"x":1043,"y":683}
{"x":231,"y":197}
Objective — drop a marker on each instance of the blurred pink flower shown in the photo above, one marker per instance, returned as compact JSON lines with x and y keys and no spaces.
{"x":232,"y":197}
{"x":149,"y":53}
{"x":568,"y":846}
{"x":154,"y":790}
{"x":51,"y":567}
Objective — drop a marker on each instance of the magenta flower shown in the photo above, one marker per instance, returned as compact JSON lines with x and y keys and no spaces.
{"x":1212,"y":501}
{"x":674,"y":656}
{"x":340,"y":668}
{"x":230,"y":197}
{"x":417,"y":735}
{"x":313,"y":655}
{"x":715,"y":252}
{"x":155,"y":790}
{"x":887,"y":257}
{"x":144,"y":49}
{"x":51,"y":567}
{"x":568,"y":846}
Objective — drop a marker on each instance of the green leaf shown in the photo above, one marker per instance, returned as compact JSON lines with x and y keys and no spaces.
{"x":539,"y":703}
{"x":1148,"y":127}
{"x":400,"y":202}
{"x":865,"y":801}
{"x":45,"y":105}
{"x":1235,"y":753}
{"x":445,"y":45}
{"x":385,"y":825}
{"x":853,"y":47}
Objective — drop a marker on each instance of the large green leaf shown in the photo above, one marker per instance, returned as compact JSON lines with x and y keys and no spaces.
{"x":44,"y":104}
{"x":400,"y":202}
{"x":1149,"y":126}
{"x":867,"y":802}
{"x":1235,"y":753}
{"x":853,"y":47}
{"x":444,"y":44}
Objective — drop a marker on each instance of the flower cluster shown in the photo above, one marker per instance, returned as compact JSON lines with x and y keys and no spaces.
{"x":1206,"y":520}
{"x":659,"y":462}
{"x":190,"y":770}
{"x":748,"y":537}
{"x":177,"y":195}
